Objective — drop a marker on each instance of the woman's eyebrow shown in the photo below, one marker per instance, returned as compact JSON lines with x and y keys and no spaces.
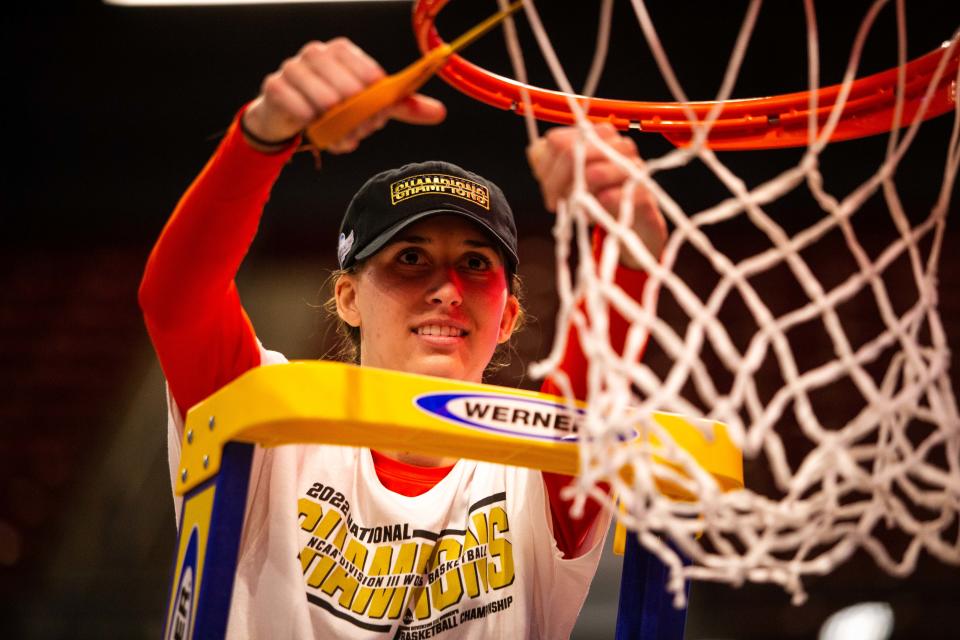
{"x":412,"y":239}
{"x":478,"y":243}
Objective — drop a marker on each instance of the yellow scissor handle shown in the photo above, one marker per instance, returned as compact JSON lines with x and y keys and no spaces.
{"x":344,"y":117}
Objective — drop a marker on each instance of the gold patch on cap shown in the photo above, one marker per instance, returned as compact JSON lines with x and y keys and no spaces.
{"x":439,"y":184}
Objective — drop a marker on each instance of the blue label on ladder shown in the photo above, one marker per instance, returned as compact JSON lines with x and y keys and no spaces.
{"x":181,"y":617}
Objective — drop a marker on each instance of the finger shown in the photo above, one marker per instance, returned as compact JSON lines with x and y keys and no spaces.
{"x":625,"y":145}
{"x":283,"y":98}
{"x":648,"y":224}
{"x":562,"y":137}
{"x":553,"y":168}
{"x":609,"y":198}
{"x":620,"y":143}
{"x":541,"y":160}
{"x":537,"y":156}
{"x":606,"y":130}
{"x":558,"y":179}
{"x":342,"y":65}
{"x":603,"y":175}
{"x":418,"y":109}
{"x":601,"y":171}
{"x":361,"y":65}
{"x":337,"y":77}
{"x":344,"y":145}
{"x":609,"y":192}
{"x":559,"y":168}
{"x":313,"y":87}
{"x":563,"y":140}
{"x":352,"y":140}
{"x":623,"y":148}
{"x":368,"y":127}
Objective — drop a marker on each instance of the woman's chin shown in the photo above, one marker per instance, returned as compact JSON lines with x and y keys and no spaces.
{"x":440,"y":367}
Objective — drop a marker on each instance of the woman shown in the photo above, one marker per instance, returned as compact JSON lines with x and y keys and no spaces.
{"x":342,"y":542}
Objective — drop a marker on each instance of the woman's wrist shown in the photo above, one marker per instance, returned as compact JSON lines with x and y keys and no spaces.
{"x":260,"y":137}
{"x":265,"y":145}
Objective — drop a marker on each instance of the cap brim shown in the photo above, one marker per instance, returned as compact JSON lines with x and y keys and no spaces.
{"x":387,"y":235}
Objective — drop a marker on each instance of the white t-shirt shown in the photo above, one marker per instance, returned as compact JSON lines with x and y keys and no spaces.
{"x":328,"y":552}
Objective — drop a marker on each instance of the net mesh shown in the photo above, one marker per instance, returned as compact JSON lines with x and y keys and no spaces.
{"x":839,"y":482}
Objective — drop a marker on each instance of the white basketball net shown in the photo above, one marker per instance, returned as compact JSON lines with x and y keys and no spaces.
{"x":895,"y":465}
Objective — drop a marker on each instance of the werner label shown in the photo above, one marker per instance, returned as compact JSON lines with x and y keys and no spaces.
{"x":506,"y":414}
{"x":181,"y":617}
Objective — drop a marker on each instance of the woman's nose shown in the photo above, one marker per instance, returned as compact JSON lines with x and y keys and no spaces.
{"x":447,"y":289}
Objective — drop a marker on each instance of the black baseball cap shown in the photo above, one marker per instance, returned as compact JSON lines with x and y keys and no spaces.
{"x":393,"y":200}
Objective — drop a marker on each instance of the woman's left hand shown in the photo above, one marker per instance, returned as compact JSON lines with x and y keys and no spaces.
{"x":552,"y":160}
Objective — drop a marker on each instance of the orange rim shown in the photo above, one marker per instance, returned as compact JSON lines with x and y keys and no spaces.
{"x":754,"y":123}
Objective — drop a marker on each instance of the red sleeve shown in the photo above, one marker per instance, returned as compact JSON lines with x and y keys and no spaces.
{"x":190,"y":303}
{"x":571,"y":533}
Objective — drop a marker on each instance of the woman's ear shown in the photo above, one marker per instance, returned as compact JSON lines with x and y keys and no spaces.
{"x":511,"y":313}
{"x":345,"y":293}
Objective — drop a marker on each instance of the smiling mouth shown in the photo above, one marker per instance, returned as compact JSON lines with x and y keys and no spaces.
{"x":442,"y":331}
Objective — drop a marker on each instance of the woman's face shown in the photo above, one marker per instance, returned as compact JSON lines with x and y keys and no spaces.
{"x":434,"y":301}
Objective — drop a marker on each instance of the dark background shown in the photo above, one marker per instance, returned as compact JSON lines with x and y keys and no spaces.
{"x":109,"y":114}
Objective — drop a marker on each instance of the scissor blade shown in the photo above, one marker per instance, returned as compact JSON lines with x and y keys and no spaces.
{"x":485,"y":26}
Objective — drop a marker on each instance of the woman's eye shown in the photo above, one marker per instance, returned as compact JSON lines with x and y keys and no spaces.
{"x":478,"y":263}
{"x":410,"y":257}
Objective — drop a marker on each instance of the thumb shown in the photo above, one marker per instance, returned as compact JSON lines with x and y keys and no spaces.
{"x":536,"y":154}
{"x":418,"y":109}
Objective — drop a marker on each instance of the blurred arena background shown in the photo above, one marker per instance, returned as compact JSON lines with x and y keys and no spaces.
{"x":111,"y":111}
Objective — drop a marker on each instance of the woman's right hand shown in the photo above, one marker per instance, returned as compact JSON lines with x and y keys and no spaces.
{"x":321,"y":75}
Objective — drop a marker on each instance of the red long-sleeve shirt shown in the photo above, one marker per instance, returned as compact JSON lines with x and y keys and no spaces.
{"x":204,"y":338}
